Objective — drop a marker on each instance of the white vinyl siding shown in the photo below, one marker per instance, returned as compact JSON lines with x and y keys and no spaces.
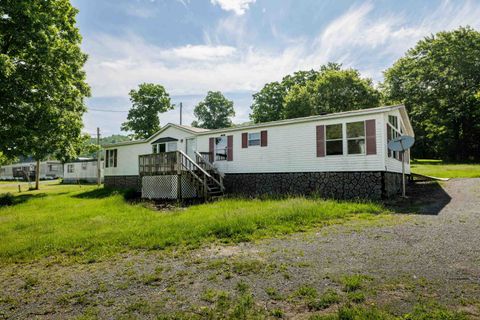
{"x":127,"y":155}
{"x":392,"y":164}
{"x":82,"y":170}
{"x":292,"y":148}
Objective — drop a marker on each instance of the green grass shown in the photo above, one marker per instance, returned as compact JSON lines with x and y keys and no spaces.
{"x":436,"y":168}
{"x":90,"y":223}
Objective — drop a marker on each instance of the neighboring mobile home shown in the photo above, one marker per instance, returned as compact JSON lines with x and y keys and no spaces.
{"x":82,"y":170}
{"x":340,"y":155}
{"x":50,"y":169}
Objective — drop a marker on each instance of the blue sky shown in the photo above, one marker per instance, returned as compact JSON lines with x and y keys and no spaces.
{"x":236,"y":46}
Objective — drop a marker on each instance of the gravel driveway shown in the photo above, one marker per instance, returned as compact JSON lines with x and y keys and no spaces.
{"x":431,"y":255}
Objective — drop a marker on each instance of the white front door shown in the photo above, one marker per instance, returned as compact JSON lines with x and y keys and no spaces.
{"x":190,"y":147}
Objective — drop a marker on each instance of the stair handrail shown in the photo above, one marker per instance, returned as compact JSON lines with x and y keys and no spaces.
{"x":202,"y":180}
{"x":221,"y":175}
{"x":205,"y":173}
{"x":194,"y":164}
{"x":209,"y":164}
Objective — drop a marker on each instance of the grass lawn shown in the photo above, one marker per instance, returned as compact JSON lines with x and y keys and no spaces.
{"x":436,"y":168}
{"x":89,"y":223}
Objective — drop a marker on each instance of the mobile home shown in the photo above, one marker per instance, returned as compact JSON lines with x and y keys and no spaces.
{"x":82,"y":170}
{"x":339,"y":155}
{"x":50,"y":169}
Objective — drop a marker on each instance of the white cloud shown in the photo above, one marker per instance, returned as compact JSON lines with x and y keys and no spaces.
{"x":239,"y":7}
{"x":199,"y":52}
{"x":358,"y":35}
{"x":356,"y":38}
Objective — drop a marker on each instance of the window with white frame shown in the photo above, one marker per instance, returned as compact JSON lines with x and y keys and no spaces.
{"x":356,"y":137}
{"x":111,"y":158}
{"x":254,"y":139}
{"x":220,"y":148}
{"x":70,"y":168}
{"x":334,"y":139}
{"x":393,"y":131}
{"x":164,"y":147}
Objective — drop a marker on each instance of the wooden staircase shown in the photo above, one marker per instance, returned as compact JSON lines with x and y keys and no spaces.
{"x":208,"y":181}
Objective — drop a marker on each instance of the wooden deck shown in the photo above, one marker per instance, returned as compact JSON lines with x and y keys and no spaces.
{"x":198,"y":174}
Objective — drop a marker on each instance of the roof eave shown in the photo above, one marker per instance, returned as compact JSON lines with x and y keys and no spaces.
{"x":308,"y":119}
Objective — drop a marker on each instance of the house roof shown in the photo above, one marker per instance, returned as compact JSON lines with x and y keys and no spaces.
{"x":343,"y":114}
{"x":351,"y":113}
{"x":164,"y":139}
{"x":188,"y":129}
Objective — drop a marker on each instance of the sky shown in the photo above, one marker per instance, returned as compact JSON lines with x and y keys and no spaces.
{"x":236,"y":46}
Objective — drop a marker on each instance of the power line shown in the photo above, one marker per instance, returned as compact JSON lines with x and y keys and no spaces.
{"x":105,"y":110}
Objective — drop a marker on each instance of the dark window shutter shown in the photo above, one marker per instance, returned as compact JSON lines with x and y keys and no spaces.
{"x":321,"y":141}
{"x":371,"y":136}
{"x":114,"y":158}
{"x":229,"y":148}
{"x":245,"y":140}
{"x":106,"y":158}
{"x":211,"y":149}
{"x":263,"y":138}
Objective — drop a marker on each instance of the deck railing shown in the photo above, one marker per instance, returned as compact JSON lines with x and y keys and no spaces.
{"x":177,"y":162}
{"x":158,"y":163}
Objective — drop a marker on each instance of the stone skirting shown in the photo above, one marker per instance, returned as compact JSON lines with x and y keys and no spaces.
{"x":123,"y":182}
{"x":339,"y":185}
{"x":373,"y":185}
{"x":392,"y":183}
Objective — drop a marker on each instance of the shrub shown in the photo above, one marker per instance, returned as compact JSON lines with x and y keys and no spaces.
{"x":327,"y":299}
{"x":130,"y":194}
{"x":306,"y":292}
{"x":353,"y":282}
{"x":356,"y":296}
{"x":6,"y":199}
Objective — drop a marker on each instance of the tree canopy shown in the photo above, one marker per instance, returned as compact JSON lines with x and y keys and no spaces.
{"x":42,"y":82}
{"x":305,"y":93}
{"x":438,"y":81}
{"x":214,"y":112}
{"x":147,"y":102}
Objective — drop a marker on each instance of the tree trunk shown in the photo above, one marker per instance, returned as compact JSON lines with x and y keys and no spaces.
{"x":37,"y":175}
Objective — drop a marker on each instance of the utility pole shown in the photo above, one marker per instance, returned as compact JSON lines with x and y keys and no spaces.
{"x":181,"y":113}
{"x":99,"y":169}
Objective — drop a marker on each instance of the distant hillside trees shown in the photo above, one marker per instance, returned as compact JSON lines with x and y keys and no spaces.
{"x":42,"y":82}
{"x":439,"y":82}
{"x":306,"y":93}
{"x":214,"y":112}
{"x":147,"y":103}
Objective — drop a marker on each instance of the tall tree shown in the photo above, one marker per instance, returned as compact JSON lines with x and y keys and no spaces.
{"x":268,"y":103}
{"x":42,"y":82}
{"x":337,"y":90}
{"x":214,"y":112}
{"x":305,"y":93}
{"x":438,"y":81}
{"x":297,"y":103}
{"x":147,"y":102}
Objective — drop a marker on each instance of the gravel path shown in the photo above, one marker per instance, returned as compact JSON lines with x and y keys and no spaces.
{"x":430,"y":256}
